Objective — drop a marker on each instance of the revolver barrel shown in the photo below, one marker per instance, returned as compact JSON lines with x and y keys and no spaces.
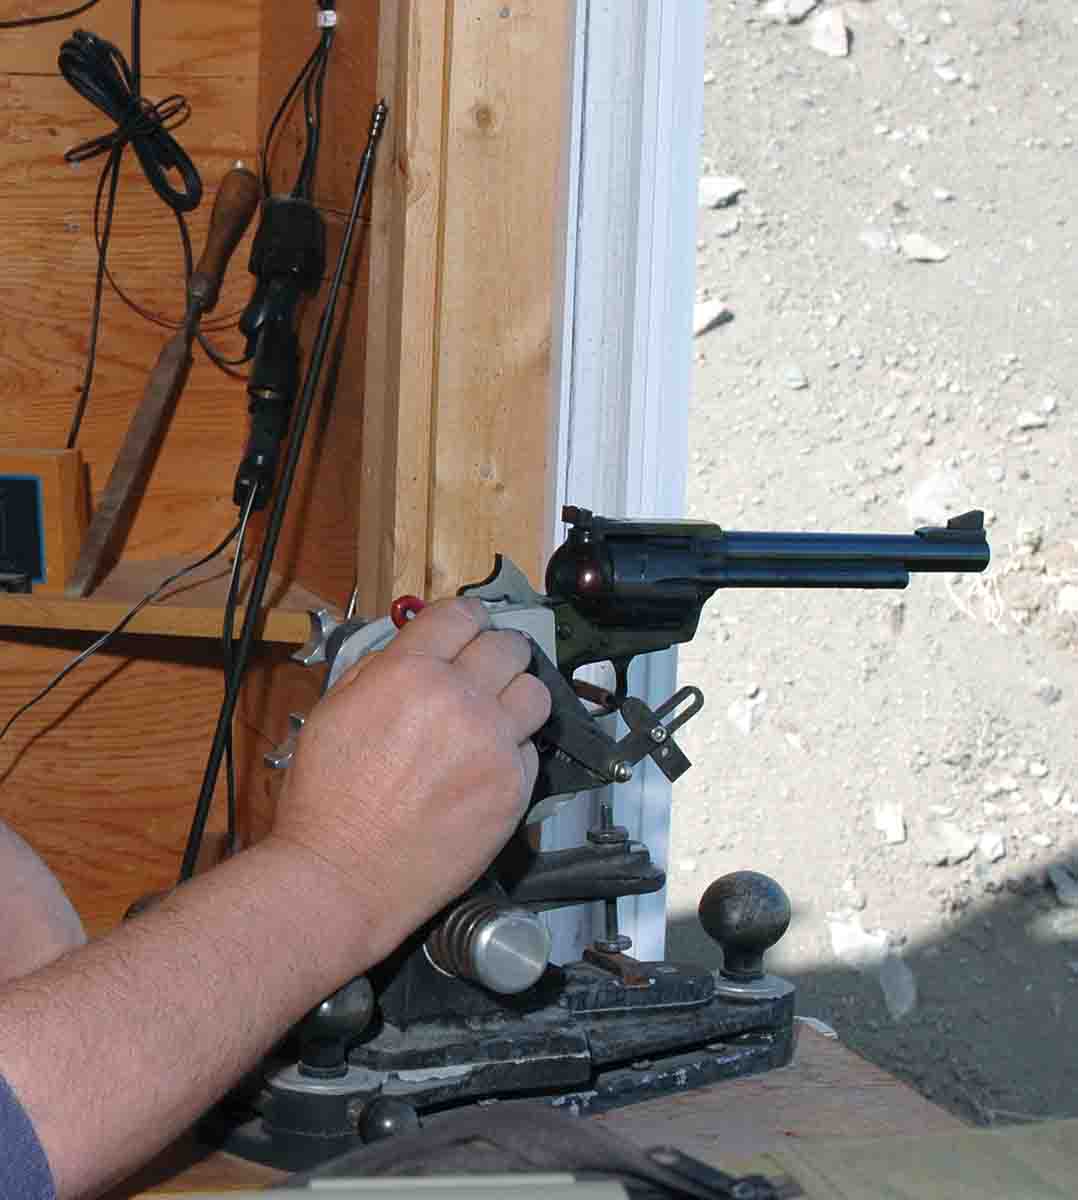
{"x":848,"y":559}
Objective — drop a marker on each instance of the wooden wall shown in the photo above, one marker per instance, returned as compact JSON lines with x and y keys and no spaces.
{"x":102,"y":774}
{"x":467,"y":220}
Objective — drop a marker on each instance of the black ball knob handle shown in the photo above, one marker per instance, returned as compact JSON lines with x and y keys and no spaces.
{"x":327,"y":1031}
{"x":386,"y":1117}
{"x":746,"y":913}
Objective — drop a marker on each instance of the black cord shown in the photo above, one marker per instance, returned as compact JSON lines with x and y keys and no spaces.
{"x":312,"y":80}
{"x":228,"y":645}
{"x":313,"y":93}
{"x":118,"y":628}
{"x":23,"y":22}
{"x":275,"y":523}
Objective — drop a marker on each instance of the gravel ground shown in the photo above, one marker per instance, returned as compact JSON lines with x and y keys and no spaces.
{"x":891,"y":275}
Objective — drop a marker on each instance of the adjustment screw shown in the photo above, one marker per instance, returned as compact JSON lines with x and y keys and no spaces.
{"x":659,"y":734}
{"x":621,"y":772}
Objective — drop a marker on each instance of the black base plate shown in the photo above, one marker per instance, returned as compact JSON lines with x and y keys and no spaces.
{"x":602,"y":1044}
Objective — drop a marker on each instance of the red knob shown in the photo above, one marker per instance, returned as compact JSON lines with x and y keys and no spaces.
{"x":404,"y":608}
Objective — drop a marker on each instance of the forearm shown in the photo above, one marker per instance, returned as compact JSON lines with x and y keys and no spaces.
{"x":147,"y":1027}
{"x":38,"y":920}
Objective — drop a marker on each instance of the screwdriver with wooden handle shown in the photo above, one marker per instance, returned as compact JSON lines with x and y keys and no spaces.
{"x":236,"y":204}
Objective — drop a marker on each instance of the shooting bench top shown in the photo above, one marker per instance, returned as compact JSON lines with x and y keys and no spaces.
{"x":828,"y":1092}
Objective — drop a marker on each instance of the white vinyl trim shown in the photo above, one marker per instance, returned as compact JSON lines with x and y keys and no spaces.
{"x":624,"y":355}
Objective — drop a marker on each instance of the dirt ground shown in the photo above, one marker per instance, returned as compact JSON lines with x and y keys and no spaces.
{"x":904,"y":763}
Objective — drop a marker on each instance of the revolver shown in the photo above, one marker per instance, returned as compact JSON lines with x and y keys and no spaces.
{"x":619,"y":588}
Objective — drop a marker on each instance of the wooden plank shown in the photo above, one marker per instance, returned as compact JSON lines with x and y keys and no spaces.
{"x":101,"y":776}
{"x":192,"y":607}
{"x":187,"y":1167}
{"x":505,"y":105}
{"x":827,"y":1092}
{"x":197,"y":38}
{"x":405,"y":258}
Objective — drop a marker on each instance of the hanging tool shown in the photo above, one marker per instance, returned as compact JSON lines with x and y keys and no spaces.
{"x":233,"y":210}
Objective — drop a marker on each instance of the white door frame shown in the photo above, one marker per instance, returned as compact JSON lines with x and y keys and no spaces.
{"x":622,"y":339}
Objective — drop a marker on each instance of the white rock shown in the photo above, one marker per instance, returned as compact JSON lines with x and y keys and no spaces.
{"x":878,"y":241}
{"x":935,"y":499}
{"x":1038,"y":769}
{"x":947,"y":73}
{"x":710,"y":77}
{"x":947,"y":844}
{"x":1065,"y":886}
{"x":794,"y":378}
{"x":1049,"y":404}
{"x":942,"y":195}
{"x":1030,"y":420}
{"x":1067,"y":600}
{"x":917,"y":248}
{"x":708,"y":314}
{"x":747,"y":713}
{"x":727,"y":227}
{"x":992,"y":845}
{"x":788,"y":12}
{"x":852,"y":944}
{"x":996,"y":473}
{"x":1051,"y":796}
{"x":1048,"y":692}
{"x":829,"y":33}
{"x":717,"y":191}
{"x":1042,"y":840}
{"x":890,"y":820}
{"x":687,"y":866}
{"x":898,"y":985}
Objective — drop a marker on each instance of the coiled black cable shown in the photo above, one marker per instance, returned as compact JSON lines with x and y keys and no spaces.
{"x":97,"y":70}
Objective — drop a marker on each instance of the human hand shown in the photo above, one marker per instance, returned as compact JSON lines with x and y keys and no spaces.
{"x":413,"y":772}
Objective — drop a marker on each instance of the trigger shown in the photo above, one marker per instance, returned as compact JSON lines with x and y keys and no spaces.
{"x":621,"y":678}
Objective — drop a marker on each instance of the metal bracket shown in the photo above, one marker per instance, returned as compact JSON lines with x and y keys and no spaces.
{"x":282,"y":757}
{"x":313,"y":651}
{"x":650,"y":734}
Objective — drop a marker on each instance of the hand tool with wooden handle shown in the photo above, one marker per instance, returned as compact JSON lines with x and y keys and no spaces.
{"x":233,"y":209}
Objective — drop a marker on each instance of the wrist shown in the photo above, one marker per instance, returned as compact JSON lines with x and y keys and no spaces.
{"x":338,"y":923}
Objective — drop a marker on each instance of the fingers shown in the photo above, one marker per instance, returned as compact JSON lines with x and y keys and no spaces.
{"x":529,"y":764}
{"x":494,"y":660}
{"x":526,"y":702}
{"x":442,"y":630}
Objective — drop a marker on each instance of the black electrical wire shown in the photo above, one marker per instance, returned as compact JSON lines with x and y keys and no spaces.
{"x":277,"y":513}
{"x":312,"y":80}
{"x":228,"y":645}
{"x":313,"y":93}
{"x":119,"y":627}
{"x":66,"y":15}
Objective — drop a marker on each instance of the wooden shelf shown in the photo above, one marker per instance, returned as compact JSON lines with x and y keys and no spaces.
{"x":192,"y":607}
